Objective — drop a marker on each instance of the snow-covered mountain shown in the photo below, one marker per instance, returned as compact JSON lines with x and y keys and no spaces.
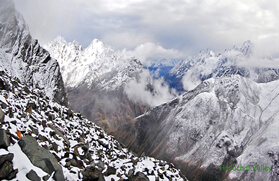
{"x":225,"y":121}
{"x":42,"y":140}
{"x":23,"y":57}
{"x":98,"y":65}
{"x":95,"y":78}
{"x":189,"y":73}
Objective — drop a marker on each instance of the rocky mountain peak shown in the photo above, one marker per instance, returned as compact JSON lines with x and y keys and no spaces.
{"x":97,"y":65}
{"x":22,"y":56}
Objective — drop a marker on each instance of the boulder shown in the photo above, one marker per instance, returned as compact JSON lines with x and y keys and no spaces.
{"x":8,"y":157}
{"x":92,"y":174}
{"x":41,"y":157}
{"x":32,"y":175}
{"x":6,"y":167}
{"x":4,"y":139}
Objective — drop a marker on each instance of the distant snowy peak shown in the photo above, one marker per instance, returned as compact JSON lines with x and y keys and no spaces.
{"x":97,"y":65}
{"x":22,"y":56}
{"x":190,"y":72}
{"x":246,"y":48}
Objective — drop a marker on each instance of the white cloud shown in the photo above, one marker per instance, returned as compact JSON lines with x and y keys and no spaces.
{"x":126,"y":39}
{"x":137,"y":90}
{"x":267,"y":45}
{"x":259,"y":62}
{"x":191,"y":80}
{"x":187,"y":25}
{"x":149,"y":51}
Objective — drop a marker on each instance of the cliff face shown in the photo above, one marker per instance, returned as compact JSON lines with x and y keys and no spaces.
{"x":227,"y":121}
{"x":22,"y":57}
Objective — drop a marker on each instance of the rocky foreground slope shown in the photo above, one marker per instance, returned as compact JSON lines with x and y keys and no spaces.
{"x":226,"y":121}
{"x":40,"y":139}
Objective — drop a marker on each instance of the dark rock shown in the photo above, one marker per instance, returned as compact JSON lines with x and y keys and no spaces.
{"x":139,"y":177}
{"x":32,"y":175}
{"x":42,"y":138}
{"x":29,"y":110}
{"x":80,"y":164}
{"x":4,"y":85}
{"x":55,"y":109}
{"x":51,"y":117}
{"x":34,"y":131}
{"x":11,"y":114}
{"x":41,"y":157}
{"x":26,"y":90}
{"x":12,"y":175}
{"x":92,"y":174}
{"x":4,"y":140}
{"x":73,"y":162}
{"x":55,"y":146}
{"x":6,"y":169}
{"x":110,"y":171}
{"x":69,"y":113}
{"x":45,"y":178}
{"x":8,"y":157}
{"x":2,"y":116}
{"x":131,"y":172}
{"x":3,"y":105}
{"x":44,"y":123}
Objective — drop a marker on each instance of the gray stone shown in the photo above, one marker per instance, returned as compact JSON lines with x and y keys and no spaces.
{"x":4,"y":140}
{"x":32,"y":175}
{"x":41,"y":157}
{"x":2,"y":116}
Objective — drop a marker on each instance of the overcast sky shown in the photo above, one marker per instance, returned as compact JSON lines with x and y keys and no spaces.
{"x":183,"y":26}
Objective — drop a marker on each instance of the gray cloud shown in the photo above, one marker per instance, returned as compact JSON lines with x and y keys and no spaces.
{"x":185,"y":25}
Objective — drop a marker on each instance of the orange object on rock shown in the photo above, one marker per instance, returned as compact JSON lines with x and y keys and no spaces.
{"x":18,"y":134}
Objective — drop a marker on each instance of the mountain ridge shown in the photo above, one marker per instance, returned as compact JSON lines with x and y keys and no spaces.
{"x":217,"y":123}
{"x":189,"y":73}
{"x":100,"y":64}
{"x":24,"y":58}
